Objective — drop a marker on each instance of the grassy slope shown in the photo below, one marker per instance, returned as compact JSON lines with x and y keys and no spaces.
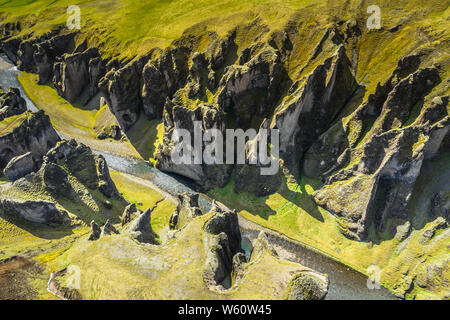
{"x":45,"y":244}
{"x":10,"y":123}
{"x":113,"y":22}
{"x":137,"y":191}
{"x":171,"y":271}
{"x":76,"y":122}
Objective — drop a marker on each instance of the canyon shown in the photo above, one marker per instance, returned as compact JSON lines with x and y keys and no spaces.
{"x":363,"y":124}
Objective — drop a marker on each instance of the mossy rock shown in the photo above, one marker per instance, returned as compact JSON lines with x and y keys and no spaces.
{"x":304,"y":286}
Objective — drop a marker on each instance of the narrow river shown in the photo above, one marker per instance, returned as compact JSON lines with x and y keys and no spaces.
{"x":345,"y":283}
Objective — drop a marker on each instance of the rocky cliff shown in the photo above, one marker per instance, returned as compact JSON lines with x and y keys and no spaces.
{"x":327,"y":125}
{"x":360,"y":112}
{"x":35,"y":134}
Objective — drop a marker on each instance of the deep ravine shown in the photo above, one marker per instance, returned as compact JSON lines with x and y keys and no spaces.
{"x":345,"y":283}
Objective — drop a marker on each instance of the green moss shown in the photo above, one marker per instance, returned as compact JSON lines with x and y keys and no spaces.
{"x":414,"y":114}
{"x":80,"y":123}
{"x":137,"y":191}
{"x":9,"y":124}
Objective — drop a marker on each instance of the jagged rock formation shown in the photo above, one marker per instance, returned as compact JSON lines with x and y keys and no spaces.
{"x":122,"y":88}
{"x":55,"y":179}
{"x":72,"y":75}
{"x":79,"y":160}
{"x":129,"y":214}
{"x":113,"y":131}
{"x":35,"y":211}
{"x":387,"y":165}
{"x":35,"y":134}
{"x":162,"y":78}
{"x":11,"y":103}
{"x":95,"y":231}
{"x":306,"y":287}
{"x":253,"y":88}
{"x":68,"y":171}
{"x":19,"y":167}
{"x":187,"y":209}
{"x":224,"y":243}
{"x":108,"y":229}
{"x":179,"y":117}
{"x":140,"y":228}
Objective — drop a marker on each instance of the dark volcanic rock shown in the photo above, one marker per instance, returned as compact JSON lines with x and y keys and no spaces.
{"x":224,"y":243}
{"x":72,"y":77}
{"x":35,"y":211}
{"x":48,"y":51}
{"x":55,"y":179}
{"x":123,"y":87}
{"x":108,"y":229}
{"x":162,"y":78}
{"x":35,"y":134}
{"x":90,"y":169}
{"x":95,"y":231}
{"x":141,"y":230}
{"x":129,"y":213}
{"x":387,"y":165}
{"x":179,"y":117}
{"x":253,"y":88}
{"x":314,"y":105}
{"x":19,"y":166}
{"x":11,"y":103}
{"x":187,"y":209}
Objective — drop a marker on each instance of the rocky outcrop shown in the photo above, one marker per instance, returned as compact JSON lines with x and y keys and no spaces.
{"x":79,"y":161}
{"x":55,"y":179}
{"x":72,"y":77}
{"x":333,"y":150}
{"x":141,"y":230}
{"x":108,"y":229}
{"x":45,"y":54}
{"x":187,"y":209}
{"x":304,"y":286}
{"x":387,"y":165}
{"x":35,"y":134}
{"x":34,"y":211}
{"x":196,"y":122}
{"x":130,"y":212}
{"x":95,"y":232}
{"x":251,"y":177}
{"x":252,"y":88}
{"x":223,"y":238}
{"x":75,"y":71}
{"x":123,"y":87}
{"x":11,"y":103}
{"x":162,"y":78}
{"x":226,"y":222}
{"x":110,"y":132}
{"x":312,"y":107}
{"x":19,"y":167}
